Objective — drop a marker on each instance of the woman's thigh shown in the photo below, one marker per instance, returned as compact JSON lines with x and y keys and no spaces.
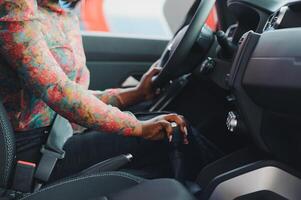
{"x":87,"y":149}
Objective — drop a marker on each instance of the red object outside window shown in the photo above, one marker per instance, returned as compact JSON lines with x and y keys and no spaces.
{"x":92,"y":14}
{"x":212,"y":20}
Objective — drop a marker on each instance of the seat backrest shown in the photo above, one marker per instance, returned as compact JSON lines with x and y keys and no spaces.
{"x":7,"y":148}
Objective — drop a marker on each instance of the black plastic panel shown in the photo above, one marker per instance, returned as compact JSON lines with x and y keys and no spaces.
{"x":249,"y":112}
{"x":249,"y":17}
{"x":266,"y":5}
{"x":262,"y":195}
{"x":267,"y":85}
{"x":273,"y":75}
{"x":227,"y":177}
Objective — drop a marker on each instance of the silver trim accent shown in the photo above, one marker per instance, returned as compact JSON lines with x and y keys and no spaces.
{"x":268,"y":178}
{"x":129,"y":156}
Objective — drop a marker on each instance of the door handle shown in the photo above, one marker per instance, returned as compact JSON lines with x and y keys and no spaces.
{"x":130,"y":82}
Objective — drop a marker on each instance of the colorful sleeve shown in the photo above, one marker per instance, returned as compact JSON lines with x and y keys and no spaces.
{"x":23,"y":45}
{"x":110,"y":97}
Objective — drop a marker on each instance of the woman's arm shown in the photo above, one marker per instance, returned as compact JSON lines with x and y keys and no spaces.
{"x":122,"y":98}
{"x":143,"y":92}
{"x":110,"y":96}
{"x":24,"y":47}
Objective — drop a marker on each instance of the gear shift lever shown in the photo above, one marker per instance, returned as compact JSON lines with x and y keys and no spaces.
{"x":176,"y":155}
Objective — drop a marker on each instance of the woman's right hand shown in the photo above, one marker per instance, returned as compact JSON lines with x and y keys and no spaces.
{"x":160,"y":127}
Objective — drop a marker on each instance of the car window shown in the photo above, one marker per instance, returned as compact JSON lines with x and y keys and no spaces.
{"x":133,"y":18}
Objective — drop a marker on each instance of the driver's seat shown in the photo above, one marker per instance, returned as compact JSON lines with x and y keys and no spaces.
{"x":106,"y":185}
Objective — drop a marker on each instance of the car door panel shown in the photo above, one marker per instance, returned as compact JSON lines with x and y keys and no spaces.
{"x":112,"y":60}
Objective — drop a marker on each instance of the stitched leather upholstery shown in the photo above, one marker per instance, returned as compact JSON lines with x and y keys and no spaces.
{"x":113,"y":186}
{"x":88,"y":187}
{"x":7,"y":148}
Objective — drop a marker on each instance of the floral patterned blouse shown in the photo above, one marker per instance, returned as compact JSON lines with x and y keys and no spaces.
{"x":43,"y":71}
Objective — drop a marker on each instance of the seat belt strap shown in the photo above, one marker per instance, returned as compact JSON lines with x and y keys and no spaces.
{"x":53,"y":150}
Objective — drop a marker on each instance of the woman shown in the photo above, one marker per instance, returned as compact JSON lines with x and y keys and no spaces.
{"x":45,"y":73}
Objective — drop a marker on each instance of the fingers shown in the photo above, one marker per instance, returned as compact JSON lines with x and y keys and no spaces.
{"x":167,"y":127}
{"x":153,"y":72}
{"x":157,"y":64}
{"x":154,"y":69}
{"x":181,"y":123}
{"x":161,"y":126}
{"x":155,"y":129}
{"x":179,"y":120}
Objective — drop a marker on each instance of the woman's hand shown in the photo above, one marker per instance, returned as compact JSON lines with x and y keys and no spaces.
{"x":160,"y":127}
{"x":143,"y":92}
{"x":145,"y":87}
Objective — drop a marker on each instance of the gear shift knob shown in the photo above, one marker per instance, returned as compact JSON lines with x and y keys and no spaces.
{"x":177,"y":137}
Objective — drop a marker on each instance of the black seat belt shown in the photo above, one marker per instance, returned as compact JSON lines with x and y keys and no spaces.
{"x":53,"y":151}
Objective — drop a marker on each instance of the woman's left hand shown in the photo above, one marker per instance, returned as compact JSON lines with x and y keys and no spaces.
{"x":145,"y":87}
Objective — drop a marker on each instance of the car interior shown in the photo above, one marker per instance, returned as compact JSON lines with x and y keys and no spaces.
{"x":240,"y":87}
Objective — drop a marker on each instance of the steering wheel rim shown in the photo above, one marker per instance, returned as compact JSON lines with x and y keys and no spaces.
{"x":179,"y":47}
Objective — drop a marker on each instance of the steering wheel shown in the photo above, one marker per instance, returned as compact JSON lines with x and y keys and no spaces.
{"x":179,"y":47}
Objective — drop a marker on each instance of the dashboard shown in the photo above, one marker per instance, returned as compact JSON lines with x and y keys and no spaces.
{"x":265,"y":74}
{"x":264,"y":15}
{"x":286,"y":17}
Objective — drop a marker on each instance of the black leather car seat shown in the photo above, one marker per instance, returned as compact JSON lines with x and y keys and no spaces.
{"x":113,"y":186}
{"x":103,"y":185}
{"x":7,"y":149}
